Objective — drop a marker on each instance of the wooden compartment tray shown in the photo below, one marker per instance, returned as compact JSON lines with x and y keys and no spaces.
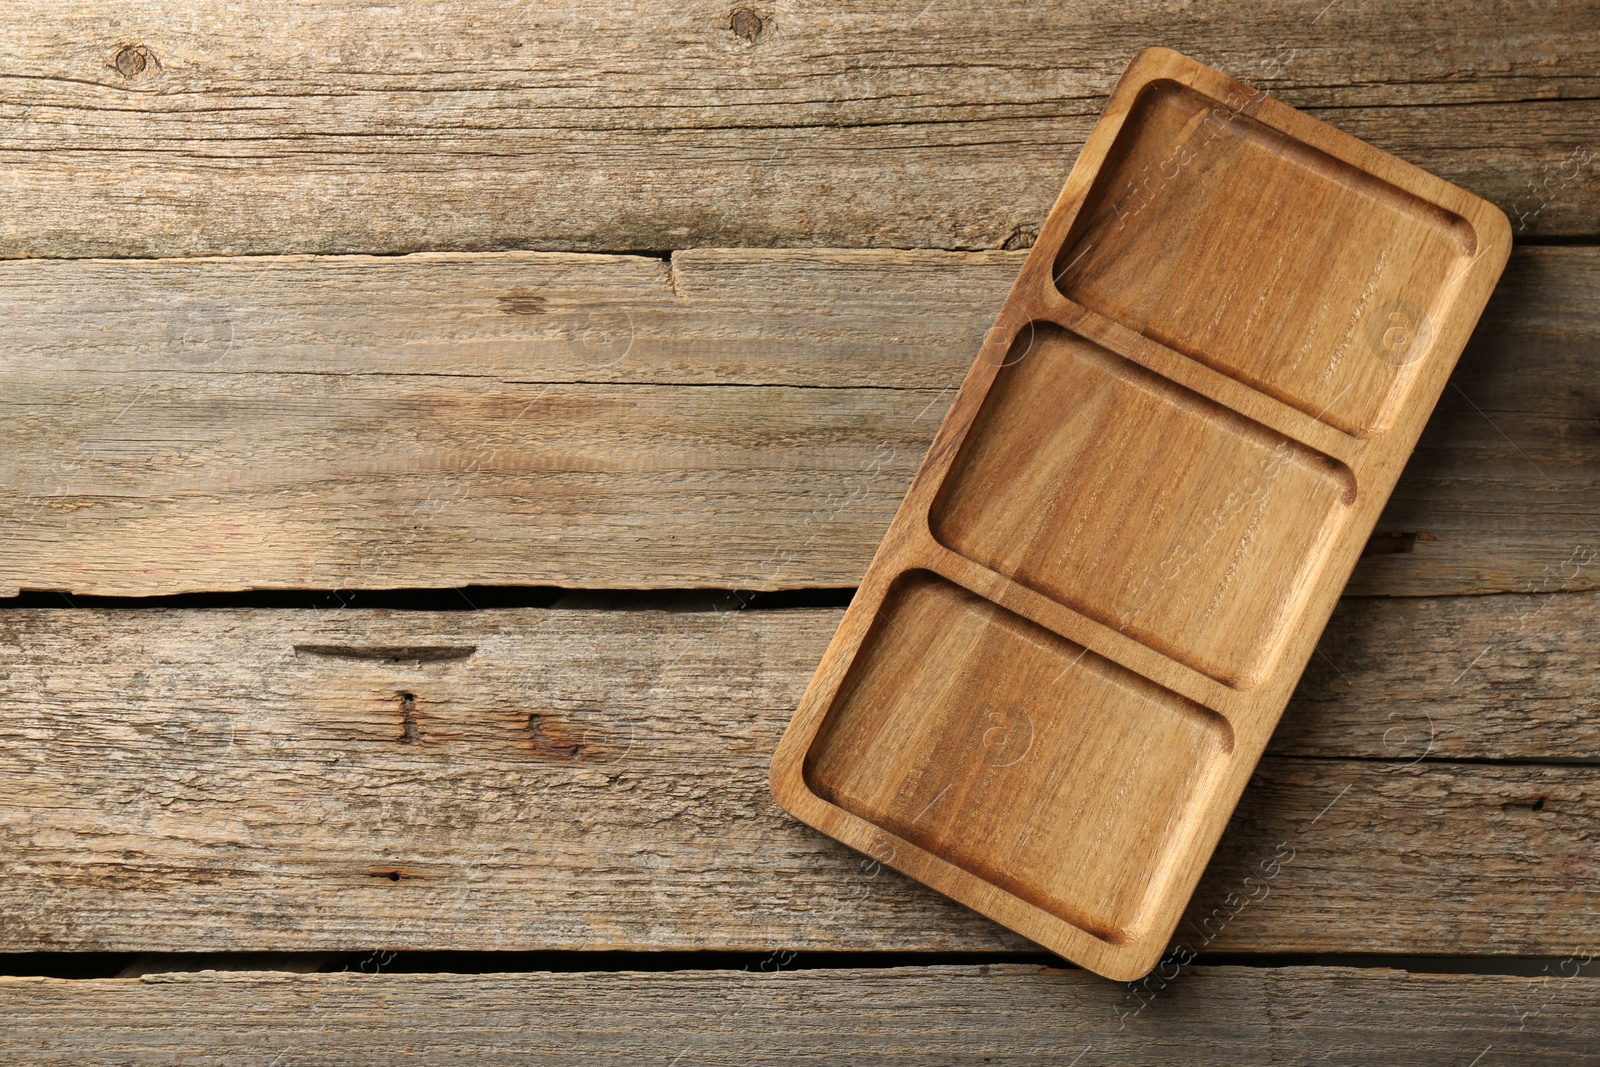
{"x":1097,"y":596}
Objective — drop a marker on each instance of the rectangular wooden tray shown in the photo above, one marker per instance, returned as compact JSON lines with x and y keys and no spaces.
{"x":1097,"y":596}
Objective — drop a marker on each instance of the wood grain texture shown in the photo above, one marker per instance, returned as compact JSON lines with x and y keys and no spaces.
{"x":750,"y":418}
{"x":1520,"y":425}
{"x":279,"y":780}
{"x":1481,"y":677}
{"x":444,"y":420}
{"x":1223,"y":1016}
{"x":261,"y":127}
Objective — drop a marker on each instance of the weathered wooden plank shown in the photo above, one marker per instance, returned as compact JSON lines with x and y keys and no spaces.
{"x":1503,"y":490}
{"x":1483,"y":677}
{"x":1388,"y":846}
{"x":517,"y":779}
{"x":444,"y":420}
{"x":731,"y":418}
{"x":816,"y":318}
{"x":231,"y":128}
{"x":1233,"y":1016}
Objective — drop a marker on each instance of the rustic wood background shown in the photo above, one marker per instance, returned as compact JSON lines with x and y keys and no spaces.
{"x":439,"y":439}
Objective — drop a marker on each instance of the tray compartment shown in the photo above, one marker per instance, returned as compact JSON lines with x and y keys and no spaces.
{"x":1037,"y":780}
{"x":1145,"y":506}
{"x":1264,"y":258}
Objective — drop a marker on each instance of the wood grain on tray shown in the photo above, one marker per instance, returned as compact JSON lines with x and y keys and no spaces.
{"x":1099,"y":593}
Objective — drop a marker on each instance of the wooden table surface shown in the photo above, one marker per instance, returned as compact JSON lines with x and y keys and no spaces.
{"x":437,"y":442}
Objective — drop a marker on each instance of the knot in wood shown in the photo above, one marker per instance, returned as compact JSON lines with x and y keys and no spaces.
{"x":746,"y":23}
{"x":135,"y":59}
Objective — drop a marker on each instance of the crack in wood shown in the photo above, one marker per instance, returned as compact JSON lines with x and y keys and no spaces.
{"x":408,"y":708}
{"x":390,"y":653}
